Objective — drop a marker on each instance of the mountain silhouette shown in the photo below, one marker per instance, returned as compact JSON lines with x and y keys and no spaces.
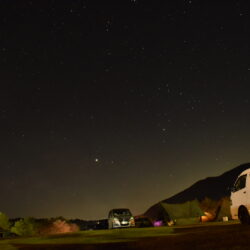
{"x":214,"y":188}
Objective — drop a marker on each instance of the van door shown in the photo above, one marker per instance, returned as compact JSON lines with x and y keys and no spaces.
{"x":239,"y":195}
{"x":248,"y":192}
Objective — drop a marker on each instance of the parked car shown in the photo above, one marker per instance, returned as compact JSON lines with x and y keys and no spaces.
{"x":240,"y":198}
{"x":120,"y":217}
{"x":143,"y":221}
{"x":101,"y":224}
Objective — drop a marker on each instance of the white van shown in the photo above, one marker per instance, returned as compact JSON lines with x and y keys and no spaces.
{"x":240,"y":198}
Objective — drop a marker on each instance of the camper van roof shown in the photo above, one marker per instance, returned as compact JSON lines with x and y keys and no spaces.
{"x":247,"y":171}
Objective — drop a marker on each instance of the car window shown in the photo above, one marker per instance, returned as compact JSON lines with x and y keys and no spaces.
{"x":119,"y":212}
{"x":240,"y":183}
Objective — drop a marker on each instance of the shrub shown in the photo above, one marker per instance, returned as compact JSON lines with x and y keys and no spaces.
{"x":24,"y":227}
{"x":4,"y":221}
{"x":59,"y":226}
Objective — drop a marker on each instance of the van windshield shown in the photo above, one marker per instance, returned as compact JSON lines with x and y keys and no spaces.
{"x":121,"y":212}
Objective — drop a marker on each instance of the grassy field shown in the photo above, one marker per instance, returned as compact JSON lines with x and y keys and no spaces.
{"x":89,"y":237}
{"x":227,"y":235}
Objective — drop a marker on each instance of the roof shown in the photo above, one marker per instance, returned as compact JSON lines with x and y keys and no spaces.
{"x":247,"y":171}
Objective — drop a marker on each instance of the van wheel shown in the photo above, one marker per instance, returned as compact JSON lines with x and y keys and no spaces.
{"x":243,"y":216}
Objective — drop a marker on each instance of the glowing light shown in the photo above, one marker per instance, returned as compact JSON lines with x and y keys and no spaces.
{"x":158,"y":223}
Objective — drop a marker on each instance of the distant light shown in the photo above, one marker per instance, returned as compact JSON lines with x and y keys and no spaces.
{"x":96,"y":160}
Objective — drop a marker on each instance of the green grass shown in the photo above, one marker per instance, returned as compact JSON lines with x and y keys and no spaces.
{"x":91,"y":237}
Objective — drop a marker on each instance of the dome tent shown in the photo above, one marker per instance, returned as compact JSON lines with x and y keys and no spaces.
{"x":183,"y":213}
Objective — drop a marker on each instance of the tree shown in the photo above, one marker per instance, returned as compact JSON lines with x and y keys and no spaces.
{"x":25,"y":227}
{"x":4,"y":221}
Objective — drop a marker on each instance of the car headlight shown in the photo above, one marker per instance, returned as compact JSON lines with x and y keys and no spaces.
{"x":116,"y":221}
{"x":132,"y":221}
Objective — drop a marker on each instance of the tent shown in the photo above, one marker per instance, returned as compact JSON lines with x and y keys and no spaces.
{"x":183,"y":213}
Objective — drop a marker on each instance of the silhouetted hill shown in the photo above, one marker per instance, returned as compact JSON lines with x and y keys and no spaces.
{"x":214,"y":188}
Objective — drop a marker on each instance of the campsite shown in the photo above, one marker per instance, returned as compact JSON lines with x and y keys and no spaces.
{"x":198,"y":217}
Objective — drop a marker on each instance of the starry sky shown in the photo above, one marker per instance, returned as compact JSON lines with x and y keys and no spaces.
{"x":107,"y":104}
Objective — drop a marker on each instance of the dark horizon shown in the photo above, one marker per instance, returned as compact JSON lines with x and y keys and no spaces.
{"x":106,"y":105}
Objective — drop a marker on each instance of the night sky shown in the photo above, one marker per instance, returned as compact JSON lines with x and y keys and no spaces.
{"x":107,"y":104}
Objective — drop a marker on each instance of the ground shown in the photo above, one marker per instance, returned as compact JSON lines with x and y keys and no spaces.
{"x":227,"y":235}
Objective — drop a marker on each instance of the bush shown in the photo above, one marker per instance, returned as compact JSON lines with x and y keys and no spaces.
{"x":24,"y":227}
{"x":4,"y":221}
{"x":59,"y":226}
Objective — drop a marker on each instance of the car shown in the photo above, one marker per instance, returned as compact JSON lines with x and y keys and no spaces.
{"x":240,"y":198}
{"x":120,"y":218}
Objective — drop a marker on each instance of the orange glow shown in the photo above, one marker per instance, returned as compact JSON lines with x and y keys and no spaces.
{"x":207,"y":217}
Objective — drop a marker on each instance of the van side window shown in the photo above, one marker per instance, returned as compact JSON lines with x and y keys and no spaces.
{"x":240,"y":183}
